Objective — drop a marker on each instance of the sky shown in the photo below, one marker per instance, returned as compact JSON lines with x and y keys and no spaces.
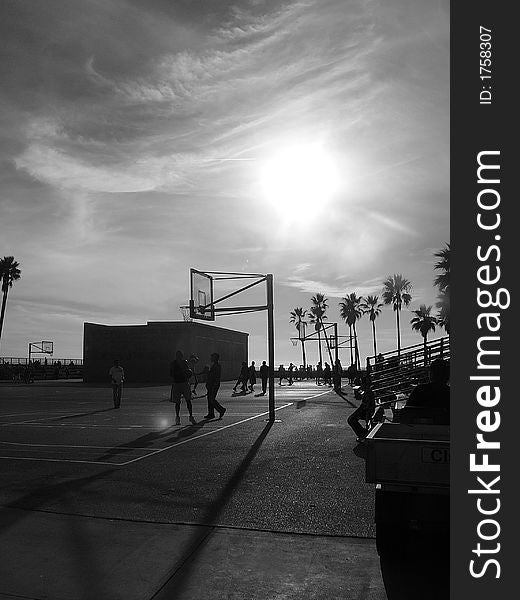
{"x":308,"y":139}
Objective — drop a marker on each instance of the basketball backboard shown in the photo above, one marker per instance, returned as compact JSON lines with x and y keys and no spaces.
{"x":47,"y":347}
{"x":44,"y":347}
{"x":201,"y":296}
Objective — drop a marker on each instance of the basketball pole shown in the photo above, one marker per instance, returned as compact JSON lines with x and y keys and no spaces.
{"x":270,"y":342}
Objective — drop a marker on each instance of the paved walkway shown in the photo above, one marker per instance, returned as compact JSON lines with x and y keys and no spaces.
{"x":154,"y":549}
{"x":84,"y":558}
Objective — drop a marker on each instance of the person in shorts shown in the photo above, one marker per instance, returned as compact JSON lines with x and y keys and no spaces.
{"x":181,"y":375}
{"x":117,"y":376}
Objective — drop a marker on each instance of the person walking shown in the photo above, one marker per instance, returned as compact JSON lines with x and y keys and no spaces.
{"x":264,"y":377}
{"x":290,"y":374}
{"x":243,"y":378}
{"x":212,"y":387}
{"x":181,"y":375}
{"x":117,"y":376}
{"x":252,"y":376}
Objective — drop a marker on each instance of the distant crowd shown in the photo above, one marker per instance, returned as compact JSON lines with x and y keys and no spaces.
{"x":27,"y":373}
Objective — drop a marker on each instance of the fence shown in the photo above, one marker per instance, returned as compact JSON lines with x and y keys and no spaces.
{"x":19,"y":369}
{"x":394,"y":372}
{"x":13,"y":360}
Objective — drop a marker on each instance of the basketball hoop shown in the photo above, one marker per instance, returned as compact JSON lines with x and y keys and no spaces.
{"x":185,"y":311}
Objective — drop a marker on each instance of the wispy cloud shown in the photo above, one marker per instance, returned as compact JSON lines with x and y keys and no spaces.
{"x":135,"y":132}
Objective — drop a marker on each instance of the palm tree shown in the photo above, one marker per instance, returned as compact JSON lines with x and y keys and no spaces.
{"x":9,"y":273}
{"x":372,"y":307}
{"x":443,"y":304}
{"x":396,"y":291}
{"x":351,"y":311}
{"x":346,"y":313}
{"x":317,"y":316}
{"x":298,"y":318}
{"x":423,"y":322}
{"x":442,"y":281}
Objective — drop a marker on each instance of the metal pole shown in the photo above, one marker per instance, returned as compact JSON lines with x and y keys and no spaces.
{"x":270,"y":342}
{"x":336,"y":341}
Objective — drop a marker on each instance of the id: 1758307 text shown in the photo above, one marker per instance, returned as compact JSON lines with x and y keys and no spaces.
{"x":485,"y":65}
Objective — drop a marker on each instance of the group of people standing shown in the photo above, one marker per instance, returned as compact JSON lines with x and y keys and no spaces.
{"x":181,"y":374}
{"x":247,"y":378}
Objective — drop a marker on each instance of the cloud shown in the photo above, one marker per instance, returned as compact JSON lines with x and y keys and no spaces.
{"x":337,"y":289}
{"x":126,"y":121}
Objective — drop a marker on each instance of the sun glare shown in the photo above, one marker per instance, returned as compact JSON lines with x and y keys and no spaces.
{"x":300,"y":180}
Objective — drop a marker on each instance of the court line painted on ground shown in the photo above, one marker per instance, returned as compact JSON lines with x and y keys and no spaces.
{"x":112,"y":464}
{"x":198,"y":437}
{"x":34,"y":423}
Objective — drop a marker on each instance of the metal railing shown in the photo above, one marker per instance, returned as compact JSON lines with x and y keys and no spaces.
{"x":13,"y":360}
{"x":395,"y":372}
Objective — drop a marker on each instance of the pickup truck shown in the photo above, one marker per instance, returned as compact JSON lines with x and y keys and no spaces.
{"x":409,"y":463}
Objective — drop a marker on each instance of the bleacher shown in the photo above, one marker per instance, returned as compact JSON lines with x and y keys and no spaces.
{"x":394,"y":374}
{"x":16,"y":369}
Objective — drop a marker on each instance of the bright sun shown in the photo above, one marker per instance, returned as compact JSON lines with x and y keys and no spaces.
{"x":300,"y":180}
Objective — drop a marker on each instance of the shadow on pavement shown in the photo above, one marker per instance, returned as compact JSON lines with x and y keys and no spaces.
{"x":146,"y":441}
{"x":345,"y":397}
{"x":182,"y":573}
{"x":83,"y":414}
{"x":80,"y":545}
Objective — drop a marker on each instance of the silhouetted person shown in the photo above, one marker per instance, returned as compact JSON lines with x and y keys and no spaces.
{"x":252,"y":376}
{"x":319,"y":373}
{"x":117,"y":376}
{"x":212,"y":387}
{"x":181,"y":375}
{"x":435,"y":395}
{"x":364,"y":411}
{"x":264,"y":376}
{"x":290,"y":374}
{"x":192,"y":363}
{"x":243,"y":378}
{"x":327,"y":374}
{"x":281,"y":374}
{"x":351,"y":374}
{"x":337,"y":371}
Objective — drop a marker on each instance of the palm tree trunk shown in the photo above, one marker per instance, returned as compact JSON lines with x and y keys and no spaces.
{"x":2,"y":313}
{"x":303,"y":355}
{"x":319,"y":346}
{"x":425,"y":352}
{"x":398,"y":334}
{"x":350,"y":344}
{"x":358,"y":366}
{"x":374,"y":336}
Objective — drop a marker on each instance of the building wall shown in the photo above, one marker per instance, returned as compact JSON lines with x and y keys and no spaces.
{"x":146,"y":351}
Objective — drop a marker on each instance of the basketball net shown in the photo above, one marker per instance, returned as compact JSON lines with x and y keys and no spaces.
{"x":185,"y":311}
{"x":295,"y":342}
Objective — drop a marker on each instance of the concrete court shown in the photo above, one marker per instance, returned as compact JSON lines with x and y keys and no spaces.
{"x":109,"y":504}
